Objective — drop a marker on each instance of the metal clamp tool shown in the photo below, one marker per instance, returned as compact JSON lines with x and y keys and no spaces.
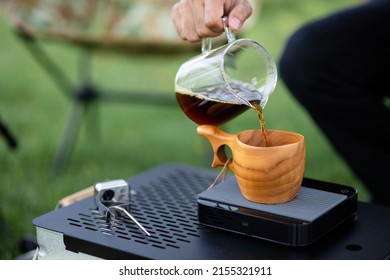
{"x":113,"y":199}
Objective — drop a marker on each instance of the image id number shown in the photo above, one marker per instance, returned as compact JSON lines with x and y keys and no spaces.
{"x":242,"y":270}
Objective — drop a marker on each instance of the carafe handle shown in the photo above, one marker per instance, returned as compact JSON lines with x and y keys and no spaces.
{"x":207,"y":42}
{"x":218,"y":139}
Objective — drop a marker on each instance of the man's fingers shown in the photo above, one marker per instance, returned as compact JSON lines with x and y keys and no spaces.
{"x":214,"y":11}
{"x":238,"y":15}
{"x":196,"y":19}
{"x":182,"y":16}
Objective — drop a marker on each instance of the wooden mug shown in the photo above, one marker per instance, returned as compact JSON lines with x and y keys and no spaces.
{"x":268,"y":175}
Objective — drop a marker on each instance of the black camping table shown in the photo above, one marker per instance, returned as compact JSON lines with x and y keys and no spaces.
{"x":164,"y":201}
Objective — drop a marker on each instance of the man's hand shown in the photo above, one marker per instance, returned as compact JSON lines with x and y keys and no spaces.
{"x":195,"y":19}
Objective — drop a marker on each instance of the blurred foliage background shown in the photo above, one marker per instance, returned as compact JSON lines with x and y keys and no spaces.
{"x":119,"y":140}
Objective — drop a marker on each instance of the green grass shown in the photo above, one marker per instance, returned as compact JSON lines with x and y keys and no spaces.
{"x":119,"y":140}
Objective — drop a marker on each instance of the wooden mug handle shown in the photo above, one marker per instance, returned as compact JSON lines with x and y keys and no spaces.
{"x":218,"y":139}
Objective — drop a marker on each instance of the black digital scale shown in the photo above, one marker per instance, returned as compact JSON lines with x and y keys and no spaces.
{"x":318,"y":208}
{"x":187,"y":222}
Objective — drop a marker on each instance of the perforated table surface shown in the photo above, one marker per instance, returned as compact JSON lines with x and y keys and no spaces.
{"x":165,"y":203}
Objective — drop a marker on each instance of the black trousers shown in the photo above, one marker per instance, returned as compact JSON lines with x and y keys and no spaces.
{"x":338,"y":68}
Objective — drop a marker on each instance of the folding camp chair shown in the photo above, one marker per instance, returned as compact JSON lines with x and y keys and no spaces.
{"x":8,"y":136}
{"x":130,"y":27}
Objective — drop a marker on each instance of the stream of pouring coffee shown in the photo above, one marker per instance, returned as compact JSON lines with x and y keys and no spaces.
{"x":260,"y":114}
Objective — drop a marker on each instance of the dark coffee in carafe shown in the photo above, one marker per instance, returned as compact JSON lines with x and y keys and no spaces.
{"x":214,"y":105}
{"x":203,"y":107}
{"x":203,"y":111}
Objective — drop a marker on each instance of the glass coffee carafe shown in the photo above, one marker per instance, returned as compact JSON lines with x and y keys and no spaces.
{"x":222,"y":83}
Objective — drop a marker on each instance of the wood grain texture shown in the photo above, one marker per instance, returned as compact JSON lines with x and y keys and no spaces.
{"x":267,"y":175}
